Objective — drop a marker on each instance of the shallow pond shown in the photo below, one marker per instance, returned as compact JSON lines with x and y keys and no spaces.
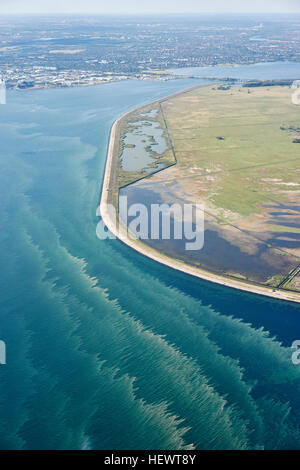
{"x":140,"y":144}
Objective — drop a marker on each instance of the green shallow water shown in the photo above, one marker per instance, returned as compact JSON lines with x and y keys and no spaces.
{"x":106,"y":349}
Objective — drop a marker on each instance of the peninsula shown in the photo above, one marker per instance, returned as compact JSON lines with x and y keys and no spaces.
{"x":234,"y":149}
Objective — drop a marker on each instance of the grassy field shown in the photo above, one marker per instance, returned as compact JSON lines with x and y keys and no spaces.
{"x":242,"y":137}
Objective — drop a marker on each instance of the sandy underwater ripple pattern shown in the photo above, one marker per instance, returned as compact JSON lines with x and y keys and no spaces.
{"x":103,"y":354}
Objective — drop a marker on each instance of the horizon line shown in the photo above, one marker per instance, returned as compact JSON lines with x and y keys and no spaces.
{"x":152,"y":13}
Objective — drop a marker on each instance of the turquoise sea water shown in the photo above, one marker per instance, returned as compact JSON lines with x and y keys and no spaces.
{"x":107,"y":349}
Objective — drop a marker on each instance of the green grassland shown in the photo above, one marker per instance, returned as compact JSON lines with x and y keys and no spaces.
{"x":255,"y":142}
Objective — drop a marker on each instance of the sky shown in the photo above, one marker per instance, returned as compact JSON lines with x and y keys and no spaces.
{"x":149,"y":6}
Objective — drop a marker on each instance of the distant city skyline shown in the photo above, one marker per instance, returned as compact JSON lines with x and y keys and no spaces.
{"x":155,"y":6}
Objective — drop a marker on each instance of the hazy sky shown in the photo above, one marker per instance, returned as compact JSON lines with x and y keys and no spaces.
{"x":149,"y":6}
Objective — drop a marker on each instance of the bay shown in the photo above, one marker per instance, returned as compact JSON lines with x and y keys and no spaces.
{"x":107,"y":349}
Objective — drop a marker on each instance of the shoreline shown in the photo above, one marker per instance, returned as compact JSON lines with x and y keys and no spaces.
{"x":121,"y":232}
